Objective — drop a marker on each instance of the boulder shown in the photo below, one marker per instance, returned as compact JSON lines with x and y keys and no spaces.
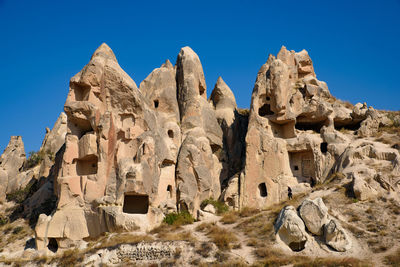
{"x":362,"y":190}
{"x":336,"y":237}
{"x":206,"y":216}
{"x":290,"y":229}
{"x":314,"y":214}
{"x":209,"y":208}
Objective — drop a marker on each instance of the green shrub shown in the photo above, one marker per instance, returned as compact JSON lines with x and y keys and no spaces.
{"x":3,"y":220}
{"x":181,"y":218}
{"x":20,"y":195}
{"x":35,"y":158}
{"x":219,"y":206}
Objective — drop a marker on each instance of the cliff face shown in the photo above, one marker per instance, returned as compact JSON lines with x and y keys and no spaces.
{"x":132,"y":155}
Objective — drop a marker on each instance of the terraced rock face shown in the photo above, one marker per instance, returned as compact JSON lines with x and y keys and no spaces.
{"x":127,"y":155}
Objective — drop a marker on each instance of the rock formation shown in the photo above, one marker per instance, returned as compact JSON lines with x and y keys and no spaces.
{"x":290,"y":226}
{"x":11,"y":162}
{"x":122,"y":157}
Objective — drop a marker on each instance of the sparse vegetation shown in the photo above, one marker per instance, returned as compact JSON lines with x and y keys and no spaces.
{"x":393,"y":259}
{"x":20,"y":195}
{"x":204,"y":249}
{"x":3,"y":220}
{"x":35,"y":158}
{"x":222,"y":237}
{"x":178,"y":219}
{"x":230,"y":217}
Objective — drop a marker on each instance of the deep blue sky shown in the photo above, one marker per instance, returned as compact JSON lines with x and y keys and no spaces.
{"x":355,"y":46}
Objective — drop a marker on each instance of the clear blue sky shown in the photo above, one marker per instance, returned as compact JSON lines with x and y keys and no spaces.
{"x":355,"y":46}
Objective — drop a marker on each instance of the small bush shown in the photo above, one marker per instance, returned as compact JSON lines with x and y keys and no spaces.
{"x":3,"y":220}
{"x":219,"y":206}
{"x":177,"y":219}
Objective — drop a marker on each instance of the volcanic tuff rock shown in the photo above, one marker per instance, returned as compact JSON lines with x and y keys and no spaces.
{"x":11,"y":161}
{"x":122,"y":157}
{"x":290,"y":227}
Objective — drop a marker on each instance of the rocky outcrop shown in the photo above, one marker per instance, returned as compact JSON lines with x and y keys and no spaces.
{"x":198,"y":167}
{"x":11,"y":162}
{"x":373,"y":168}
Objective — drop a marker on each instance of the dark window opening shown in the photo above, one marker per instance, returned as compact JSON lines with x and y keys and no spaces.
{"x":53,"y":245}
{"x":171,"y":134}
{"x":136,"y":204}
{"x":265,"y":110}
{"x":86,"y":166}
{"x":297,"y":246}
{"x":169,"y":189}
{"x":296,"y":168}
{"x":306,"y":126}
{"x":263,"y":190}
{"x":324,"y":147}
{"x":352,"y":126}
{"x":156,"y":103}
{"x":201,"y":90}
{"x":268,"y":98}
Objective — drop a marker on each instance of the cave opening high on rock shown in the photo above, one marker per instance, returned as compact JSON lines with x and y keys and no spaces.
{"x":136,"y":204}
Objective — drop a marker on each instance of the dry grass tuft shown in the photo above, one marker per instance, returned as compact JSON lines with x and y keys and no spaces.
{"x":179,"y":236}
{"x":230,"y":217}
{"x":223,"y":238}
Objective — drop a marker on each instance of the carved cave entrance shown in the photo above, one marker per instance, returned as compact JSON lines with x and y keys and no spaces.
{"x":262,"y":188}
{"x":136,"y":204}
{"x":302,"y":166}
{"x":53,"y":245}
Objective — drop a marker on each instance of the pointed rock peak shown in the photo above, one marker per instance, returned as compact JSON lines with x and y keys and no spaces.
{"x":189,"y":68}
{"x":286,"y":56}
{"x":187,"y":51}
{"x":167,"y":65}
{"x":104,"y":51}
{"x":222,"y":96}
{"x":283,"y":50}
{"x":188,"y":55}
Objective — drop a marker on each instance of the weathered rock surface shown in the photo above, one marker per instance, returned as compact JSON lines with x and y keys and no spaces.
{"x":336,"y":237}
{"x":11,"y":162}
{"x":314,"y":213}
{"x":290,"y":229}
